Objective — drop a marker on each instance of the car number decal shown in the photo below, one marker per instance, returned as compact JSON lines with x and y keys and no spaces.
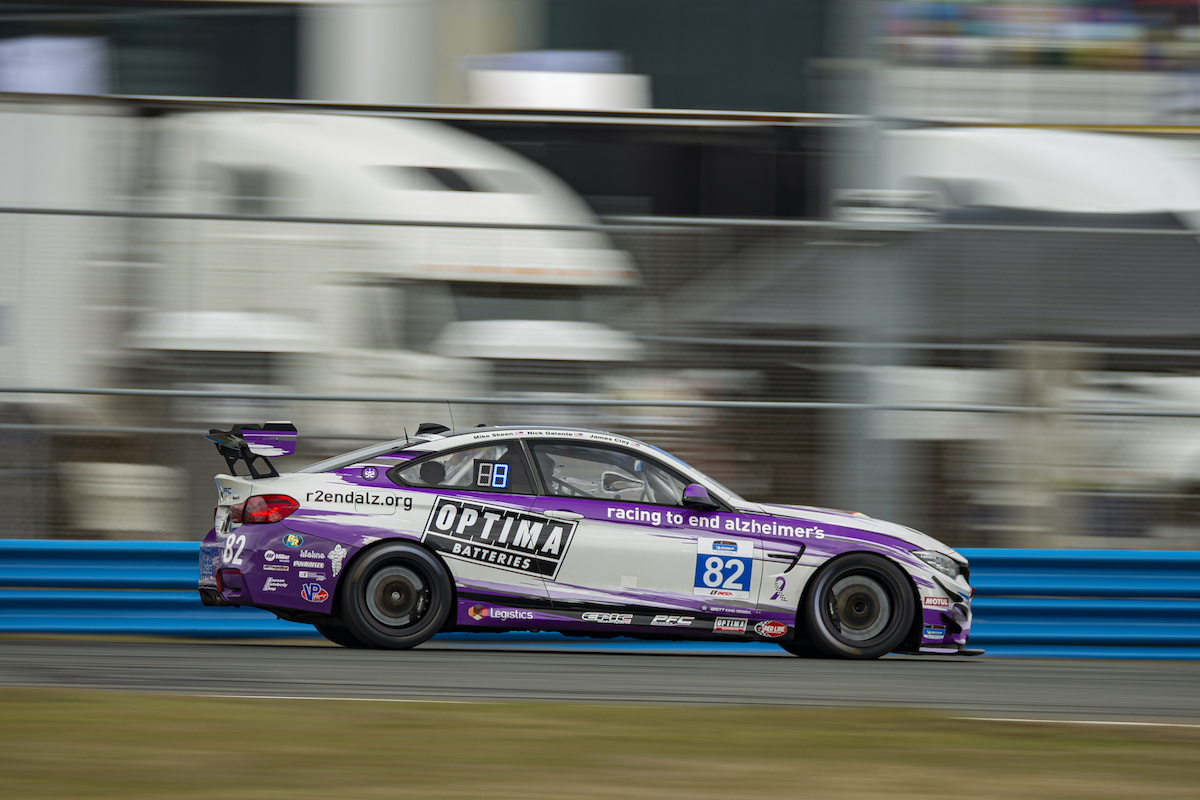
{"x":230,"y":555}
{"x":723,"y":568}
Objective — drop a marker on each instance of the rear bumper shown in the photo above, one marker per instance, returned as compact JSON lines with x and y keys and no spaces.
{"x":211,"y":597}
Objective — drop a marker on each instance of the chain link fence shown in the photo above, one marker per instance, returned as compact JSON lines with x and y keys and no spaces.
{"x":992,"y":381}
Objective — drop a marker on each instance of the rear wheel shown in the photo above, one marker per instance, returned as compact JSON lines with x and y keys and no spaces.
{"x":860,"y":606}
{"x":339,"y":634}
{"x":398,"y":595}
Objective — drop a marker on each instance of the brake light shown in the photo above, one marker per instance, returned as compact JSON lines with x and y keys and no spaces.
{"x":263,"y":508}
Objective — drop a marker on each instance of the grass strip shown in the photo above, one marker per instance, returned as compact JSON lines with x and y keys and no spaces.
{"x":91,"y":744}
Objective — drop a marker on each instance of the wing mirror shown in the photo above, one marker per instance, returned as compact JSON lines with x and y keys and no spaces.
{"x":696,"y":496}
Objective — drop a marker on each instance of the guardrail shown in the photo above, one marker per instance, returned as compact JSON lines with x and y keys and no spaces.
{"x":1028,"y":603}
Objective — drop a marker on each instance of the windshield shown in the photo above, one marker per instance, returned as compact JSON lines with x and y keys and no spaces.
{"x":487,"y":301}
{"x":713,"y":482}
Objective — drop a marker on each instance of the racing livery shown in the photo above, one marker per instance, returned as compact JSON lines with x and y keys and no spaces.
{"x":562,"y":529}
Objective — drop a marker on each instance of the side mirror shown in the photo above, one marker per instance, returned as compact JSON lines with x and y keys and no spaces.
{"x":696,"y":496}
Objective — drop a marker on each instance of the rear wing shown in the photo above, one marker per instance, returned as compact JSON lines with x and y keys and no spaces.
{"x":249,"y":443}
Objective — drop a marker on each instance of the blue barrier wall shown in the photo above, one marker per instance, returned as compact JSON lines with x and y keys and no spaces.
{"x":1032,"y":603}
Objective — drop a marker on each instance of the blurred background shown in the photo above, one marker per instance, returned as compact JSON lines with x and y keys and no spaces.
{"x":933,"y":261}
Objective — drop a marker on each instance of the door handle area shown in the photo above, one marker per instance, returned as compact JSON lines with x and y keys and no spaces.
{"x":560,"y":514}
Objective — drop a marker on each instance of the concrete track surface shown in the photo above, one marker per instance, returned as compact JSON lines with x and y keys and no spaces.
{"x":1097,"y":690}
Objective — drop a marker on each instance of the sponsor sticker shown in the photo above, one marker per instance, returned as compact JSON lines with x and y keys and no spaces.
{"x":937,"y":602}
{"x":370,"y":473}
{"x":501,"y":537}
{"x":311,"y":554}
{"x":501,"y":614}
{"x":723,"y":568}
{"x":607,"y":618}
{"x":729,"y":626}
{"x":314,"y":593}
{"x":671,"y":620}
{"x":271,"y":555}
{"x":366,"y":500}
{"x":276,"y":568}
{"x":934,"y":632}
{"x":310,"y":564}
{"x":771,"y":629}
{"x":725,"y":610}
{"x":336,"y":556}
{"x":293,"y":540}
{"x":271,"y":584}
{"x":207,"y":569}
{"x":312,"y":576}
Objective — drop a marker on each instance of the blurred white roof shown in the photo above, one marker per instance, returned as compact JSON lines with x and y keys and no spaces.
{"x":221,"y":331}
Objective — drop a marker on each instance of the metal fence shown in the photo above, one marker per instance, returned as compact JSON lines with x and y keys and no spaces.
{"x":995,"y":383}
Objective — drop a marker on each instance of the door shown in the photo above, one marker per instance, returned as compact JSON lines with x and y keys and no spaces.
{"x":638,"y":557}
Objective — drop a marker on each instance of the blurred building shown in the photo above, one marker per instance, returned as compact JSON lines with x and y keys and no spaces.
{"x":693,"y":53}
{"x":1094,"y":62}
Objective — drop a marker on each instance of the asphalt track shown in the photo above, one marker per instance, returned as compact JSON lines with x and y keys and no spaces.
{"x":1093,"y":690}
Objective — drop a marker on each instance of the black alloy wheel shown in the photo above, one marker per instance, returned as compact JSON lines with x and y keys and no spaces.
{"x":397,"y":596}
{"x":859,"y":606}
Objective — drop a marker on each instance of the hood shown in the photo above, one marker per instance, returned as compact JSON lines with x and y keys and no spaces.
{"x":550,"y":340}
{"x":854,"y":519}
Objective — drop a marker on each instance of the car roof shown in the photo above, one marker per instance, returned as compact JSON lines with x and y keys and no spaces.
{"x":454,"y":438}
{"x":433,"y":438}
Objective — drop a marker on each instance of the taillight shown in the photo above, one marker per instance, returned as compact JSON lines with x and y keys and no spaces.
{"x":263,"y":508}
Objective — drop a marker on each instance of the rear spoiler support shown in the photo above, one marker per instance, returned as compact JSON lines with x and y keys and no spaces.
{"x":250,"y":443}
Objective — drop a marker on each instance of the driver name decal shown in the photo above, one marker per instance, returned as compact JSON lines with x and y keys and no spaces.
{"x":499,"y":537}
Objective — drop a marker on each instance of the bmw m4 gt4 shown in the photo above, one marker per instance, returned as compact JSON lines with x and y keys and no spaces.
{"x":562,"y":529}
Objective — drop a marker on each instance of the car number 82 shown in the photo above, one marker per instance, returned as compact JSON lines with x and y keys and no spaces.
{"x":723,"y":572}
{"x":722,"y":576}
{"x":234,"y":545}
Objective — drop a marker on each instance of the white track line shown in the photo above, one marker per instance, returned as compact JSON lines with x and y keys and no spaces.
{"x":1081,"y":722}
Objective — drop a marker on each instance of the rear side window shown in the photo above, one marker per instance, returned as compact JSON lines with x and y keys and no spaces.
{"x":495,"y":467}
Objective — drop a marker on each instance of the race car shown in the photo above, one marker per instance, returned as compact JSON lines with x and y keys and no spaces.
{"x":578,"y":531}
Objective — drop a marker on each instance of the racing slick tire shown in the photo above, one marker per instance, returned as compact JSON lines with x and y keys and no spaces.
{"x":802,"y":648}
{"x":860,"y":606}
{"x":397,"y":596}
{"x":339,"y":634}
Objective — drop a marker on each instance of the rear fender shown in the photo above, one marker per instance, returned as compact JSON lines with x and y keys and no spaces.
{"x":338,"y":593}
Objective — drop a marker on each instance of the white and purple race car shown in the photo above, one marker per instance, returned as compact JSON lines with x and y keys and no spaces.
{"x":562,"y":529}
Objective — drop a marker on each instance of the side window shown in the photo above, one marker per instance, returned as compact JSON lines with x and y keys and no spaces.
{"x":490,"y":468}
{"x":605,"y":473}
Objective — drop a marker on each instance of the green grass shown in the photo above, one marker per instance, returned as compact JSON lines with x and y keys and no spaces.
{"x":77,"y":744}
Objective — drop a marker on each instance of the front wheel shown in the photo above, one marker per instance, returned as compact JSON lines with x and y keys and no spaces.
{"x":860,"y":606}
{"x":397,"y":596}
